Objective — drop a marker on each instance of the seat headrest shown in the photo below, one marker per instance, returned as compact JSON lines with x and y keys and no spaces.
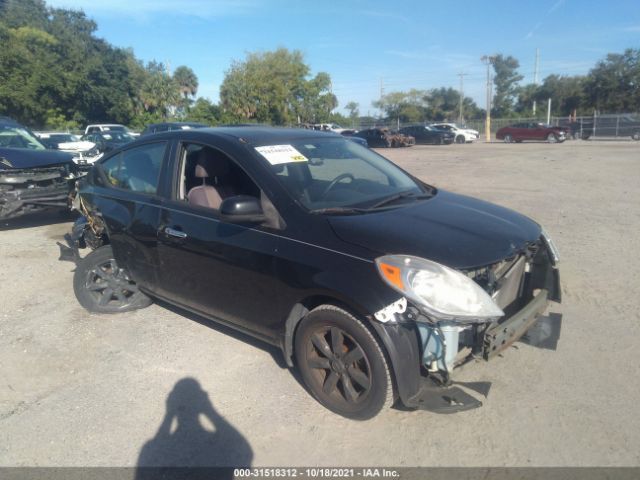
{"x":201,"y":172}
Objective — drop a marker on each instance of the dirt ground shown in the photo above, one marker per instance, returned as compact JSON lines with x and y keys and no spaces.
{"x":79,"y":389}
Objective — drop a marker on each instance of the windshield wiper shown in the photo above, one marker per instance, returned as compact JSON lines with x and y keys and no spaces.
{"x":339,"y":210}
{"x":399,"y":196}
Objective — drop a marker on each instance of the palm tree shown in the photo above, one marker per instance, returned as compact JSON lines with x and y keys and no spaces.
{"x":187,"y":81}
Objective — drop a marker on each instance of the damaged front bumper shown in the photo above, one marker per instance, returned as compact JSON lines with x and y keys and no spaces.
{"x":424,"y":379}
{"x":30,"y":190}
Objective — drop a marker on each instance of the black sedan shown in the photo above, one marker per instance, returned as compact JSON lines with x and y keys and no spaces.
{"x":428,"y":135}
{"x":373,"y":283}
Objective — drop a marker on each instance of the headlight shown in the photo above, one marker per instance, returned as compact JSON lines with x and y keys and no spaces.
{"x":440,"y":291}
{"x":551,"y":247}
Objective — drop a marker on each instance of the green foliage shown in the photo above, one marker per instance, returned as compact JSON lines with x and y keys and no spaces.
{"x":506,"y":80}
{"x":614,"y":84}
{"x":204,"y":111}
{"x":416,"y":106}
{"x":56,"y":120}
{"x":54,"y":71}
{"x":272,"y":87}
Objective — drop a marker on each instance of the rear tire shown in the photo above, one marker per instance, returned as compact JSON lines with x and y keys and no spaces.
{"x":508,"y":138}
{"x":342,"y":364}
{"x":103,"y":287}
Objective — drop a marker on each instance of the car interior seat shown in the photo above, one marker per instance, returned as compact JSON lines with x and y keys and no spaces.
{"x":210,"y":196}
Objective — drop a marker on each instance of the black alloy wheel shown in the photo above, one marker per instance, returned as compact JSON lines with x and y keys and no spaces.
{"x":101,"y":286}
{"x":342,"y":363}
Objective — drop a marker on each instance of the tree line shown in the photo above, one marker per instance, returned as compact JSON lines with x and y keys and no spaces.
{"x":611,"y":86}
{"x":56,"y":73}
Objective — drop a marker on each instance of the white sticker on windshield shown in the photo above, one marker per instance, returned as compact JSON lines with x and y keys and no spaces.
{"x":277,"y":154}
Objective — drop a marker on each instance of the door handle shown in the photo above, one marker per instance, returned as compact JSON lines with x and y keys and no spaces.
{"x":172,"y":232}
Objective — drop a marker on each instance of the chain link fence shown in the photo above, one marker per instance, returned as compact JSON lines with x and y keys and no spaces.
{"x":620,"y":125}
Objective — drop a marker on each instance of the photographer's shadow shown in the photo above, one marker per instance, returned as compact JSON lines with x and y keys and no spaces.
{"x":192,"y":434}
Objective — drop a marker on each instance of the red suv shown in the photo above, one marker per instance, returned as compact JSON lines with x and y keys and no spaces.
{"x":532,"y":131}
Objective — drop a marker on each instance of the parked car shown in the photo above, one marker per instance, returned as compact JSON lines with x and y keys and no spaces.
{"x":532,"y":131}
{"x":168,"y":126}
{"x":109,"y":127}
{"x":604,"y":126}
{"x":107,"y":141}
{"x":51,"y":140}
{"x":32,"y":178}
{"x":374,"y":283}
{"x":383,"y":137}
{"x":428,"y":135}
{"x":462,"y":134}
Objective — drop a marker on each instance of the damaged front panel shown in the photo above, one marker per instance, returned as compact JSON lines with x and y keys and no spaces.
{"x":32,"y":178}
{"x":28,"y":190}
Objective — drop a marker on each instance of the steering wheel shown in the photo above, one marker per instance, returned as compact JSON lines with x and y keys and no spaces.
{"x":335,"y":181}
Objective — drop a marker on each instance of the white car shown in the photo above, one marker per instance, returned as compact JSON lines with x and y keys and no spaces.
{"x":85,"y":153}
{"x":462,"y":135}
{"x":109,"y":127}
{"x":328,"y":127}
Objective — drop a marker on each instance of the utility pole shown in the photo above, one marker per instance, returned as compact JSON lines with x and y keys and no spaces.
{"x":461,"y":114}
{"x":381,"y":95}
{"x":488,"y":60}
{"x":535,"y":77}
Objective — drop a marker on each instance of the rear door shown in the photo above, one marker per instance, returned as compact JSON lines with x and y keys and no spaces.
{"x":126,"y":196}
{"x":209,"y":265}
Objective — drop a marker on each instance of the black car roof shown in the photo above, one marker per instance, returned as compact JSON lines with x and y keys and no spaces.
{"x":257,"y":135}
{"x":174,"y":123}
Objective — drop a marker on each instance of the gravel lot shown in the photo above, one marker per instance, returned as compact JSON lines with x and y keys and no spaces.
{"x":79,"y":389}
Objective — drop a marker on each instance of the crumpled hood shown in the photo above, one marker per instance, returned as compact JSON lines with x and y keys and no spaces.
{"x":454,"y":230}
{"x":19,"y":158}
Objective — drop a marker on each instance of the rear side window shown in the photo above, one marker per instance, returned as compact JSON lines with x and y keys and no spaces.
{"x":136,"y":169}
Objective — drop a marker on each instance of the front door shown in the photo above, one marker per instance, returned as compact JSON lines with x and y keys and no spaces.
{"x":211,"y":266}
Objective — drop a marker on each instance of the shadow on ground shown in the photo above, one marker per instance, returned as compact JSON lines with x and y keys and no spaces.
{"x":194,"y":435}
{"x":39,"y":219}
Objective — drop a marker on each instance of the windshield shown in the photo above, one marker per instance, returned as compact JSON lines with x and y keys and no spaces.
{"x":336,"y":173}
{"x":18,"y":137}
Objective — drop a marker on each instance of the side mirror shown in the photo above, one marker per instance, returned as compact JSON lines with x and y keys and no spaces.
{"x":242,"y":209}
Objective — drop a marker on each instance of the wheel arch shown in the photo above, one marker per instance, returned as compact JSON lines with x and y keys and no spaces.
{"x":399,"y":342}
{"x":304,"y":306}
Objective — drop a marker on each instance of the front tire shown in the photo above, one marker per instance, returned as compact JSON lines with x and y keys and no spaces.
{"x":101,"y":286}
{"x":342,"y":363}
{"x":636,"y":135}
{"x":552,"y":138}
{"x":460,"y":139}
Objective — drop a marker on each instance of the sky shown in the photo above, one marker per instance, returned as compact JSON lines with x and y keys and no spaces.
{"x":369,"y":45}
